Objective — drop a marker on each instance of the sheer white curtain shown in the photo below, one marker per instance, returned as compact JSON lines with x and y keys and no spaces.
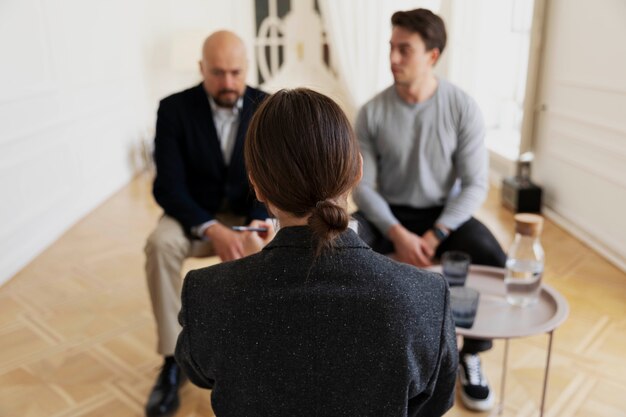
{"x":358,"y":33}
{"x":355,"y":33}
{"x":488,"y":57}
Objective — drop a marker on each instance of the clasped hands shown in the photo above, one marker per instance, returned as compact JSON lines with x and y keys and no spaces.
{"x":411,"y":248}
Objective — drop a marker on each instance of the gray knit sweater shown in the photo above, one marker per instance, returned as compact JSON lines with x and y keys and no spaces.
{"x":352,"y":333}
{"x":422,"y":155}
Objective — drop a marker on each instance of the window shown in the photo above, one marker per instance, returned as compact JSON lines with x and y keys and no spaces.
{"x":488,"y":57}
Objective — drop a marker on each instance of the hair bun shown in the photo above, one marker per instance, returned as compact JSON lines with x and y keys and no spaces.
{"x":334,"y":216}
{"x":327,"y":221}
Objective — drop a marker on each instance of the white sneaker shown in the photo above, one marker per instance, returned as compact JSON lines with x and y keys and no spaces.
{"x":475,"y":392}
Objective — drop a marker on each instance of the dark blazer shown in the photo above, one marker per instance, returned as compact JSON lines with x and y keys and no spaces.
{"x":352,"y":333}
{"x":192,"y":179}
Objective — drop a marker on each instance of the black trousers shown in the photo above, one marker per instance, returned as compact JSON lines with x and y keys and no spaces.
{"x":471,"y":237}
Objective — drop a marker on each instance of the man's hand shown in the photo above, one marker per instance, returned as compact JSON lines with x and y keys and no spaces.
{"x":409,"y":247}
{"x":227,"y":243}
{"x":431,"y":241}
{"x":253,"y":242}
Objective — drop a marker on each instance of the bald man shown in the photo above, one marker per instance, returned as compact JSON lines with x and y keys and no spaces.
{"x":202,"y":186}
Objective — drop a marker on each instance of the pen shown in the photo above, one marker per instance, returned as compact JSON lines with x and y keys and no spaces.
{"x":248,"y":229}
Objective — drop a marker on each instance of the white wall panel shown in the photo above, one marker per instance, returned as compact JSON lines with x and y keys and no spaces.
{"x":24,"y":49}
{"x":72,"y":108}
{"x":22,"y":116}
{"x":581,"y":134}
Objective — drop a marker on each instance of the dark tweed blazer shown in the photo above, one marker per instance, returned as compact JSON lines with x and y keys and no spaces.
{"x":351,"y":333}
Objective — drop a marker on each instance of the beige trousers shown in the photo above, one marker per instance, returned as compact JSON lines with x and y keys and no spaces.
{"x":166,"y":250}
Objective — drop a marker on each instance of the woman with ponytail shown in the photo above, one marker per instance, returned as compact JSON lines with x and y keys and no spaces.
{"x":313,"y":322}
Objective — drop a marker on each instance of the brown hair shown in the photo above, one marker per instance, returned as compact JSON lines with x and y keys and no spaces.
{"x":428,"y":25}
{"x":303,"y":156}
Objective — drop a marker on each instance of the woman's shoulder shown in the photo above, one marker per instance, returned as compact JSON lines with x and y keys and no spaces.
{"x":221,"y":275}
{"x":405,"y":276}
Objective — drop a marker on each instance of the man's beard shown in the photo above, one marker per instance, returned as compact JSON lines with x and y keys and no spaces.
{"x":221,"y":100}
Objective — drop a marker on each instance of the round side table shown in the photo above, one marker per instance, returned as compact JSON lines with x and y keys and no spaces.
{"x":497,"y":319}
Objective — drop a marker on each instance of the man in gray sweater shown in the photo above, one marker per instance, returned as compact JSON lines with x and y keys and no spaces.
{"x":425,"y":171}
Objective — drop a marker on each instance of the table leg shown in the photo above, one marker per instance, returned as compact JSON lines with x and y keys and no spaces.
{"x":505,"y":365}
{"x":500,"y":407}
{"x":545,"y":376}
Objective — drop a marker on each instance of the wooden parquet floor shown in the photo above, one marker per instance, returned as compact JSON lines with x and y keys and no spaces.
{"x":77,"y":335}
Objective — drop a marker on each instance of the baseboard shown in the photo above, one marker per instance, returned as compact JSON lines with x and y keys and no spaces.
{"x":589,"y":240}
{"x":495,"y":181}
{"x":500,"y":167}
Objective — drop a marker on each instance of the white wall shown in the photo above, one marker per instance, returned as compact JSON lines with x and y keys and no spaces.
{"x":70,"y":108}
{"x":79,"y":86}
{"x":581,"y":135}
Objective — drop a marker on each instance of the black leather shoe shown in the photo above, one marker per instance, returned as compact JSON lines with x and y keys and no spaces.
{"x":163,"y":400}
